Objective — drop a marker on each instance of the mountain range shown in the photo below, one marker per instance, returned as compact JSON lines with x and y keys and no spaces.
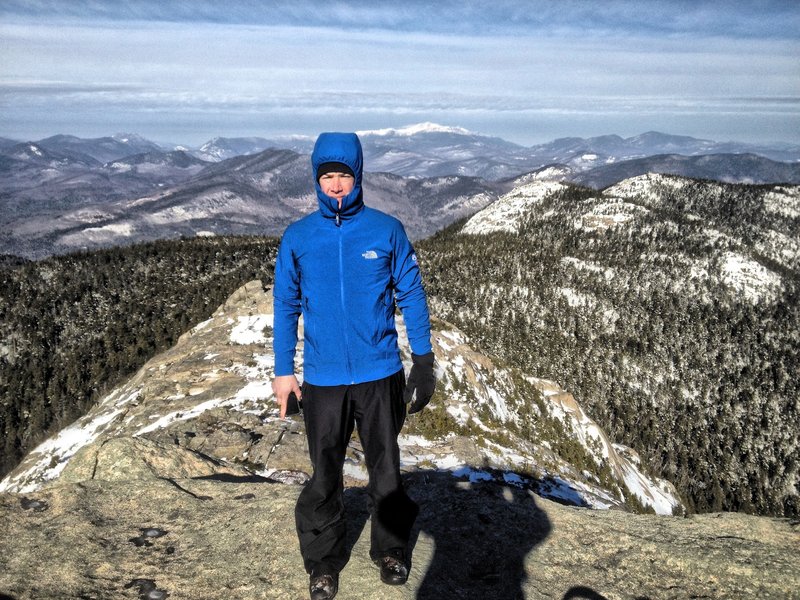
{"x":428,"y":149}
{"x":65,"y":193}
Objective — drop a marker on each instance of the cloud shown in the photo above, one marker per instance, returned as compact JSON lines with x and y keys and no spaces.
{"x":43,"y":89}
{"x":256,"y":58}
{"x":149,"y":63}
{"x":751,"y":19}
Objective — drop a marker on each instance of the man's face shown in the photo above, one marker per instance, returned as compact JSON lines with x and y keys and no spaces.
{"x":337,"y":185}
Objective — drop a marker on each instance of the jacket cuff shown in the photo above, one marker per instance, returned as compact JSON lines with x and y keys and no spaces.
{"x":284,"y":366}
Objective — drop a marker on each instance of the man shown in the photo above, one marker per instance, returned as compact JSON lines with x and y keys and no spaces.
{"x":343,"y":268}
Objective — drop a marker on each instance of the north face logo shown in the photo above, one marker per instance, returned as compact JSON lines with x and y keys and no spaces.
{"x":370,"y":255}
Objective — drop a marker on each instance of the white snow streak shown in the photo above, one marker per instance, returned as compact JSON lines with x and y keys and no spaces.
{"x":250,"y":330}
{"x":57,"y":450}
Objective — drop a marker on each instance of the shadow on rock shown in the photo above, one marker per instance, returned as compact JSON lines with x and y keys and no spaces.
{"x":580,"y":592}
{"x":228,"y":478}
{"x":481,"y":534}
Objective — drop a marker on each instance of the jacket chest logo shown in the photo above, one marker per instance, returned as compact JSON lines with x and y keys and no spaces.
{"x":370,"y":255}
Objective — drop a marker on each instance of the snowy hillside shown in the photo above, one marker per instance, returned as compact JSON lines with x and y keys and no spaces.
{"x":667,"y":305}
{"x":620,"y":204}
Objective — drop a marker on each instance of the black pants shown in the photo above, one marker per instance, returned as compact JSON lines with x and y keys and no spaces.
{"x":330,"y":412}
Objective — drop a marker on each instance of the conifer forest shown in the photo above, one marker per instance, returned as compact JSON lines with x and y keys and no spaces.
{"x":639,"y":323}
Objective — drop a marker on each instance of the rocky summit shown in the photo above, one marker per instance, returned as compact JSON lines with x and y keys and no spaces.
{"x":232,"y":537}
{"x":181,"y":483}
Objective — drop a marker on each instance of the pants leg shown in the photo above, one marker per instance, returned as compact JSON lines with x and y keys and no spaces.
{"x":319,"y":513}
{"x":380,"y":413}
{"x":330,"y":413}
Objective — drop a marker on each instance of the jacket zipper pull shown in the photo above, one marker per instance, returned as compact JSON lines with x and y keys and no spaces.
{"x":338,"y":221}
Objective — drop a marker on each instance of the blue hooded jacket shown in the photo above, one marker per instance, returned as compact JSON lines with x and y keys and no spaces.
{"x":343,"y":269}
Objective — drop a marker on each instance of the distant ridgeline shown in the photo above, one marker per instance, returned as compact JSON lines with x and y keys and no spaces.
{"x":74,"y":326}
{"x":668,"y":306}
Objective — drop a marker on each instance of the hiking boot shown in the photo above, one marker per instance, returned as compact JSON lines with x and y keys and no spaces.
{"x":323,"y":587}
{"x":393,"y":570}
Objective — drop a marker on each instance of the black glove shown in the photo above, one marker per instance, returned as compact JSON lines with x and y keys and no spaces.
{"x":420,"y":380}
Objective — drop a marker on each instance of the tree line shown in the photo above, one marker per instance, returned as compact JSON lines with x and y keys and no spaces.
{"x":75,"y":326}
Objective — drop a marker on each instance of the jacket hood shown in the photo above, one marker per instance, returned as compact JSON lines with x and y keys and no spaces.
{"x":343,"y":148}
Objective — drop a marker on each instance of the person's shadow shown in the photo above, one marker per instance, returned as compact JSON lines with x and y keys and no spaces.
{"x":481,"y":533}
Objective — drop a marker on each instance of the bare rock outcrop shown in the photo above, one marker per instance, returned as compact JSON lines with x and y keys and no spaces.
{"x":220,"y":537}
{"x":127,"y":458}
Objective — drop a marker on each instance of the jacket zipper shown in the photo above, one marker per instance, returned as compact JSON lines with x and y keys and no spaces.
{"x":342,"y":298}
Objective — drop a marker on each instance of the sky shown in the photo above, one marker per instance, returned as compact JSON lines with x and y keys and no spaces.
{"x":183,"y":72}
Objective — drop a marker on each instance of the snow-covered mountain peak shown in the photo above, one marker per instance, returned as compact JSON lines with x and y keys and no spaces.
{"x":410,"y":130}
{"x":220,"y":148}
{"x":211,"y":143}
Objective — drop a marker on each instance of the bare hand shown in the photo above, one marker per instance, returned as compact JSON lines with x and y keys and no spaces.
{"x":282,"y":386}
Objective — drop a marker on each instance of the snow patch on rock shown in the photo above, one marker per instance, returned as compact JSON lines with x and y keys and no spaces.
{"x":506,"y":212}
{"x":250,"y":329}
{"x":749,"y":278}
